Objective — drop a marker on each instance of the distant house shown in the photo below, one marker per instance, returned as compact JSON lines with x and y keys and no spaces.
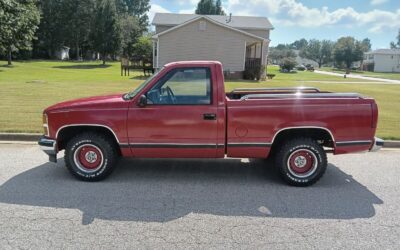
{"x":238,"y":42}
{"x":382,"y":60}
{"x":62,"y":53}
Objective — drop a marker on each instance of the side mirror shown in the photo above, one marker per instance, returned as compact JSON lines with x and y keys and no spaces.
{"x":142,"y":101}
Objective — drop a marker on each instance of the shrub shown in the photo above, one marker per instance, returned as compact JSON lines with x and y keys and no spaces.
{"x":252,"y":73}
{"x":288,"y":64}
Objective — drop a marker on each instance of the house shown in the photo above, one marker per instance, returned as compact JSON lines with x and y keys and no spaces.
{"x":382,"y":60}
{"x":62,"y":53}
{"x":240,"y":43}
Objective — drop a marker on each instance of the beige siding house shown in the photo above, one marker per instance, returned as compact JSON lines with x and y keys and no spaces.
{"x":382,"y":60}
{"x":238,"y":43}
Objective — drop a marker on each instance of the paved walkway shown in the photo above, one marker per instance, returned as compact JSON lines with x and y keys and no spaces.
{"x":359,"y":77}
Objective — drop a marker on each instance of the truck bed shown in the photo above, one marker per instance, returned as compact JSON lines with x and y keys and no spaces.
{"x":258,"y":115}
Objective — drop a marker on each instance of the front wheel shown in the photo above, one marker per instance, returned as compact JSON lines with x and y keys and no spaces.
{"x":301,"y":162}
{"x":90,"y":157}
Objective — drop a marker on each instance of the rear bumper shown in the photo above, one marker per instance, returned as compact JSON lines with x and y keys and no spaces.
{"x":378,"y":144}
{"x":49,"y":146}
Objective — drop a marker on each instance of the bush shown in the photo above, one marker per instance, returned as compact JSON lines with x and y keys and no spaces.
{"x":288,"y":64}
{"x":252,"y":73}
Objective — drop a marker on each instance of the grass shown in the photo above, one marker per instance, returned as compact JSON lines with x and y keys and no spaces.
{"x":392,"y":76}
{"x":28,"y":87}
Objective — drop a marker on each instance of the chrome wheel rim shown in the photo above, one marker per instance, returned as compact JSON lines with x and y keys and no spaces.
{"x":88,"y":158}
{"x":302,"y":163}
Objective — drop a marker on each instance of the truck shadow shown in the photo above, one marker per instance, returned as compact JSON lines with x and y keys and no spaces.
{"x":162,"y":190}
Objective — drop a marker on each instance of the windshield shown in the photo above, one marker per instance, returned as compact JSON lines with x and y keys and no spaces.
{"x":132,"y":94}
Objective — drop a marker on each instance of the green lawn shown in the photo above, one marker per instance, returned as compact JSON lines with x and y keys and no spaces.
{"x":29,"y":87}
{"x":393,"y":76}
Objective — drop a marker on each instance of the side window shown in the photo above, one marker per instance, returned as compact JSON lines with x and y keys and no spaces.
{"x":184,"y":86}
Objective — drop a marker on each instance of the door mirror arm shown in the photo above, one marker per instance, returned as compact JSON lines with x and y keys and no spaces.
{"x":142,"y":101}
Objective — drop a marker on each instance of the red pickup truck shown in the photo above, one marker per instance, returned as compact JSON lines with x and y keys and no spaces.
{"x":183,"y":111}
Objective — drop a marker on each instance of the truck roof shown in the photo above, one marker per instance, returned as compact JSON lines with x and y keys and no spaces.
{"x":186,"y":63}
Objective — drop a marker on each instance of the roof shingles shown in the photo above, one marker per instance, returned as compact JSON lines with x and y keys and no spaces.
{"x":238,"y":22}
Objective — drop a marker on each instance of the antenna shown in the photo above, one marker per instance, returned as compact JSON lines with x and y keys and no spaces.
{"x":229,"y":19}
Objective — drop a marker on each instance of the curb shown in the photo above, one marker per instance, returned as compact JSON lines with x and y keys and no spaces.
{"x":391,"y":144}
{"x":19,"y":137}
{"x":33,"y":137}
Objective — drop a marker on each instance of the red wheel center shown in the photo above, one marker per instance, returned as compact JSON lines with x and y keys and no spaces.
{"x":301,"y":162}
{"x":89,"y":157}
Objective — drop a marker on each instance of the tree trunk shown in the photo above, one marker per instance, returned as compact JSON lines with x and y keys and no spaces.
{"x":77,"y":52}
{"x":103,"y":57}
{"x":9,"y":55}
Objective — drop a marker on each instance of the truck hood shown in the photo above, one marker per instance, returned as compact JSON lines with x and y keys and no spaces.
{"x":94,"y":102}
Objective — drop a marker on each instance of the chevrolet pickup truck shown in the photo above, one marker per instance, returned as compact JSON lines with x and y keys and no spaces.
{"x":183,"y":111}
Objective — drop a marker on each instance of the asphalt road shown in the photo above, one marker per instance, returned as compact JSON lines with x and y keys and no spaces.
{"x":183,"y":204}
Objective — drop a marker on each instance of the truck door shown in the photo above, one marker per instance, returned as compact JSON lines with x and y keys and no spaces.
{"x":179,"y":119}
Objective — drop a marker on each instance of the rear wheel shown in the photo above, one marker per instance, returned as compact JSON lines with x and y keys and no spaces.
{"x":90,"y":156}
{"x":301,"y":162}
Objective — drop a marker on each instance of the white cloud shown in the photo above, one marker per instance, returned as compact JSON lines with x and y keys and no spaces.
{"x":156,"y":8}
{"x":294,"y":13}
{"x":378,"y":2}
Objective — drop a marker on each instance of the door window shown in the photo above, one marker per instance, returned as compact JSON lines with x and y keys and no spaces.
{"x":184,"y":86}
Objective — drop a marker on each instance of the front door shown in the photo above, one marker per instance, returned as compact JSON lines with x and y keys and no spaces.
{"x":179,"y":119}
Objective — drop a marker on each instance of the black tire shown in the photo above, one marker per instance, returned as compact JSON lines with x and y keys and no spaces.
{"x":98,"y":149}
{"x":301,"y":162}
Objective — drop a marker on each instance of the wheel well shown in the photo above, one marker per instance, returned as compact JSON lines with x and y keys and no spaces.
{"x":322,"y":136}
{"x":67,"y":133}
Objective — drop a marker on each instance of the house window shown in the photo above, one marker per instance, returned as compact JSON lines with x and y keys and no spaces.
{"x":391,"y":56}
{"x":202,"y":25}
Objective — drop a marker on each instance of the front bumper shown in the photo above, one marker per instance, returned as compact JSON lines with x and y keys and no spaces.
{"x":378,"y":144}
{"x":49,"y":146}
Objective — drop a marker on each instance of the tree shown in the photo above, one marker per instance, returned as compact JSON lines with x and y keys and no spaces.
{"x":50,"y":32}
{"x":365,"y":47}
{"x":131,"y":31}
{"x":143,"y":47}
{"x":106,"y":35}
{"x":288,"y":64}
{"x":318,"y":51}
{"x":209,"y":7}
{"x":218,"y":8}
{"x":347,"y":50}
{"x":77,"y":22}
{"x":299,"y":44}
{"x":18,"y":23}
{"x":396,"y":45}
{"x":135,"y":8}
{"x":277,"y":54}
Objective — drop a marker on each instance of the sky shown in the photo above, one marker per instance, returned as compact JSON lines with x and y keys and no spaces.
{"x":378,"y":20}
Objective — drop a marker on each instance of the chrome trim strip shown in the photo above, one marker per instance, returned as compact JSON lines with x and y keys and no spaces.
{"x":275,"y":89}
{"x":303,"y":127}
{"x":192,"y":145}
{"x":87,"y":125}
{"x":302,"y":95}
{"x":353,"y":143}
{"x":171,"y":145}
{"x":248,"y":144}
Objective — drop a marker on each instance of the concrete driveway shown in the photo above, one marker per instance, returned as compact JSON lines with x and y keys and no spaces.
{"x":181,"y":204}
{"x":357,"y":76}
